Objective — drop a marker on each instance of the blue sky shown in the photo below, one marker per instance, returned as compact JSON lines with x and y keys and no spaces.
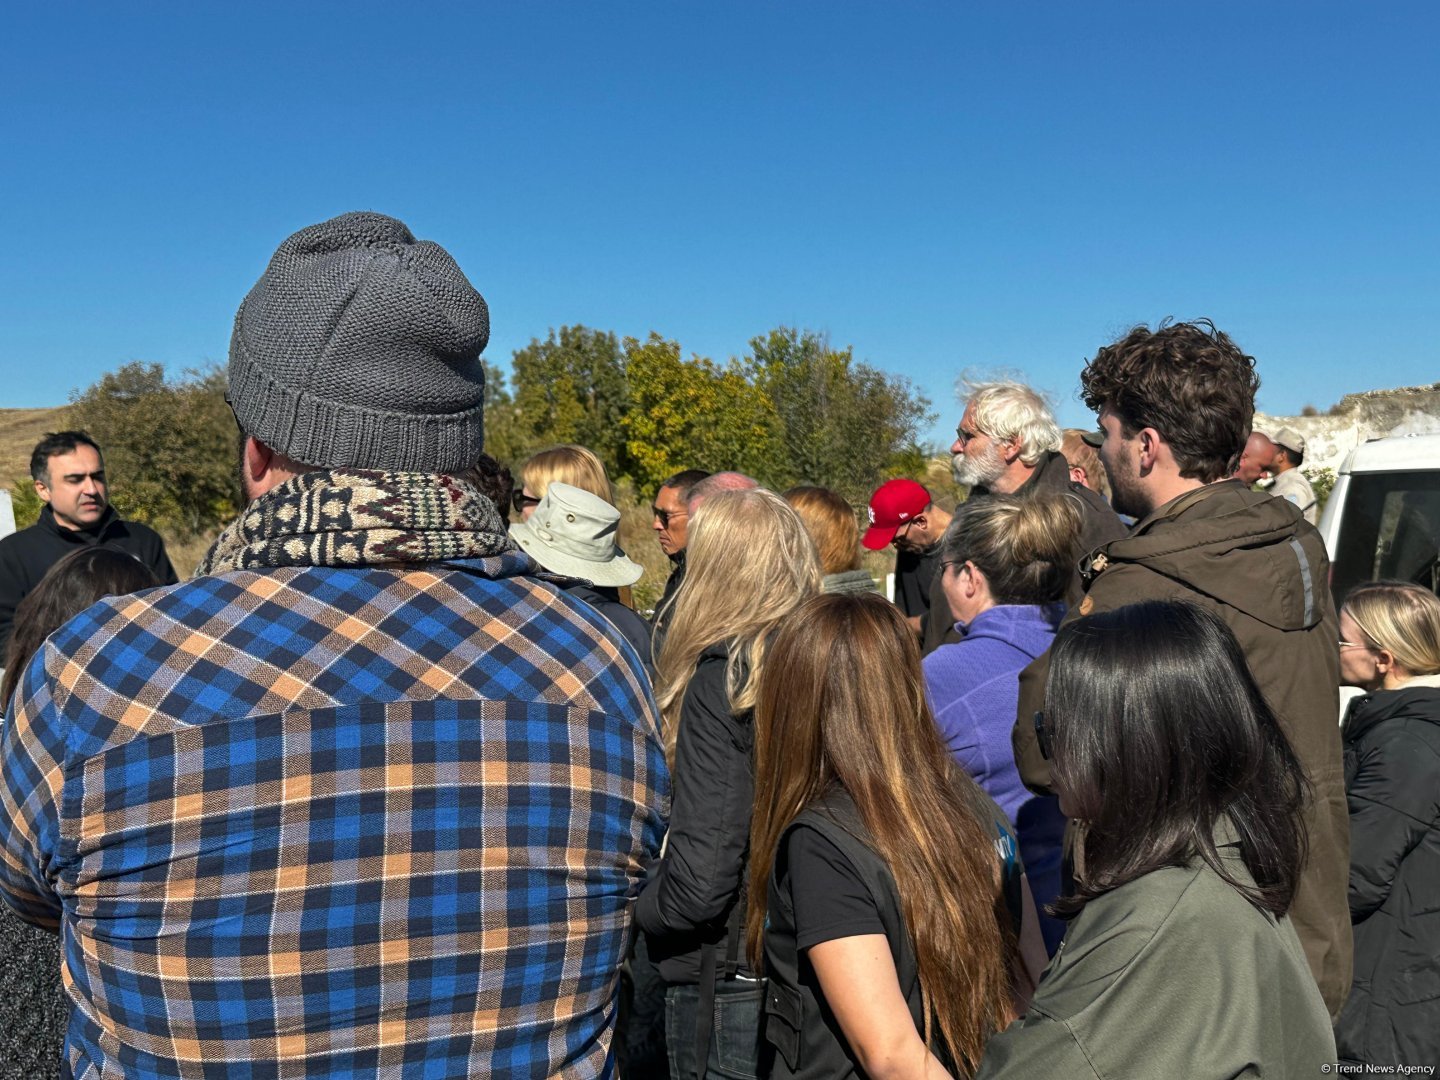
{"x":944,"y":187}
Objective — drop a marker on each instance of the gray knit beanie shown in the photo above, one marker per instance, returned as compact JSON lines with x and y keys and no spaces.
{"x":360,"y":347}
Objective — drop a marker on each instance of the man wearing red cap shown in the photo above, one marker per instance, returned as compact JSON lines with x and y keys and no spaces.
{"x":903,"y":514}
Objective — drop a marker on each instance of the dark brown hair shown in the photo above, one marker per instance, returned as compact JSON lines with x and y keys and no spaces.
{"x":54,"y":444}
{"x":843,"y":703}
{"x":68,"y":588}
{"x":1023,"y":544}
{"x":1189,"y":382}
{"x":1159,"y":733}
{"x":831,"y":523}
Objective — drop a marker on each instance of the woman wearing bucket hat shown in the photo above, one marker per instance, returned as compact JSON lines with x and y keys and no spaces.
{"x":574,"y":533}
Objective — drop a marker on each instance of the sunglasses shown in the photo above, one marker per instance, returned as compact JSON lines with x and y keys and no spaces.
{"x":519,"y":500}
{"x":1042,"y":734}
{"x":664,"y":516}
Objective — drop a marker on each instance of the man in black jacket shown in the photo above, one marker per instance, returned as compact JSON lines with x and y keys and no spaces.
{"x":69,"y":475}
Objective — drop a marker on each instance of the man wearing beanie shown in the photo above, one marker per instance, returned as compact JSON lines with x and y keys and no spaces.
{"x":370,"y":795}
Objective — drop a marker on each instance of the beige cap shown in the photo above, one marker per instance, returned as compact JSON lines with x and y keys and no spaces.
{"x":1290,"y":439}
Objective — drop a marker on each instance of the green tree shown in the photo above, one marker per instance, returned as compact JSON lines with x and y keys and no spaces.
{"x":841,"y":423}
{"x":571,"y":388}
{"x":505,"y":439}
{"x":170,"y":446}
{"x":688,"y":414}
{"x":25,"y":502}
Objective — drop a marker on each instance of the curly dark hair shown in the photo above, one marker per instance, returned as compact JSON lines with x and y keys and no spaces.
{"x":1189,"y":382}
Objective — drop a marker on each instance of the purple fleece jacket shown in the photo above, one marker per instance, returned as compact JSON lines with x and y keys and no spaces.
{"x":974,"y":687}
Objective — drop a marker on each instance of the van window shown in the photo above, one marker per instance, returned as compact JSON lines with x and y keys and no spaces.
{"x":1389,"y":528}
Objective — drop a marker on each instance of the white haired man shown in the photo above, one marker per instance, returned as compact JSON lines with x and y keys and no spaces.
{"x":1007,"y":442}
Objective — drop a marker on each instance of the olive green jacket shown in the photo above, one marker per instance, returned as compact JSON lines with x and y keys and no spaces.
{"x":1173,"y":975}
{"x":1262,"y":569}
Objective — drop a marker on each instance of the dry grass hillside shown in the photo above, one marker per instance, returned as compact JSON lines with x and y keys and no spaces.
{"x":20,"y":430}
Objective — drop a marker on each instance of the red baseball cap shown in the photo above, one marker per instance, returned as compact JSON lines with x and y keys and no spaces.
{"x":894,"y":503}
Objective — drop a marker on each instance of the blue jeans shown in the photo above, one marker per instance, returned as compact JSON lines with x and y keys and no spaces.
{"x":736,"y":1040}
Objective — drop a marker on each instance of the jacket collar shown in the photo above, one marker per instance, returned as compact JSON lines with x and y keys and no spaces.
{"x":1419,"y":699}
{"x":92,"y":535}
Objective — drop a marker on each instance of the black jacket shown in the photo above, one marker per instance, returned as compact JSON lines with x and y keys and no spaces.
{"x":694,"y":890}
{"x":27,"y":554}
{"x":1098,"y":526}
{"x":1392,"y":785}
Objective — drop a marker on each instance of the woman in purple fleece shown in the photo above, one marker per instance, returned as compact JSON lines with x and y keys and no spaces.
{"x":1005,"y":561}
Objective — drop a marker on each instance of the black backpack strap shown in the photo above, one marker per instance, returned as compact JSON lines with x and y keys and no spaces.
{"x":709,"y":968}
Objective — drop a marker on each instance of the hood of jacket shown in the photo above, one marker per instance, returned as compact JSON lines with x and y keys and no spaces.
{"x":1237,"y":546}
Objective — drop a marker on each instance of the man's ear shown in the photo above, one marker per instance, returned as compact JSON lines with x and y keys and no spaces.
{"x":43,"y":490}
{"x":1150,"y":441}
{"x":258,"y":459}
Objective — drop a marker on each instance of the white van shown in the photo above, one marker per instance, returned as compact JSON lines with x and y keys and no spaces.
{"x":1383,"y":517}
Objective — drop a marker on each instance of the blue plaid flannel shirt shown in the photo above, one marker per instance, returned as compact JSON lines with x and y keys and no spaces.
{"x":338,"y":822}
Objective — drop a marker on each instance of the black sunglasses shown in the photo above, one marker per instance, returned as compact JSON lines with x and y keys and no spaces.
{"x":519,"y":500}
{"x":664,"y":516}
{"x":1042,"y":734}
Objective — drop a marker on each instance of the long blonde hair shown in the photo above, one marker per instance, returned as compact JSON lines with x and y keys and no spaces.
{"x":748,"y":563}
{"x":577,"y":466}
{"x":843,"y":704}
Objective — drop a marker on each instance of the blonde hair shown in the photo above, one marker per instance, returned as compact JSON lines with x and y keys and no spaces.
{"x":832,"y":525}
{"x":1023,"y":544}
{"x":1401,"y":618}
{"x":749,"y":562}
{"x":1009,"y":410}
{"x":1081,"y":455}
{"x":569,"y":464}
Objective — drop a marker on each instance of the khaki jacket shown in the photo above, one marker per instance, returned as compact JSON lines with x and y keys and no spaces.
{"x":1173,"y":975}
{"x":1253,"y":561}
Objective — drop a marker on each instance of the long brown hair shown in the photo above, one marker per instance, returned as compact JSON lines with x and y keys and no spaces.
{"x":843,"y":703}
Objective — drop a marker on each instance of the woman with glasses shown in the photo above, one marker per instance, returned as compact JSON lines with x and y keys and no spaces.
{"x":1005,"y":563}
{"x":1179,"y":959}
{"x":749,"y":564}
{"x":1390,"y":647}
{"x":574,"y":465}
{"x":875,"y":884}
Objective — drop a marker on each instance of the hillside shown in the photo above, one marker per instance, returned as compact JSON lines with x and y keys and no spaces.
{"x":20,"y":430}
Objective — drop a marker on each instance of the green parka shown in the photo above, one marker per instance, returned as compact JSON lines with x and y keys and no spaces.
{"x":1263,"y":570}
{"x":1172,"y":975}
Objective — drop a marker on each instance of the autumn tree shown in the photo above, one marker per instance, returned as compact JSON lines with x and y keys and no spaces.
{"x":170,"y":446}
{"x":691,"y":414}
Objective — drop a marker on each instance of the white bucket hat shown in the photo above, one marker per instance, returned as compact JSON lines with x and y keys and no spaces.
{"x":573,"y":532}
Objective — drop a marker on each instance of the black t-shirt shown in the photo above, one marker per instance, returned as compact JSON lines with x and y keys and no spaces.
{"x":914,"y":576}
{"x":830,"y":899}
{"x":826,"y":891}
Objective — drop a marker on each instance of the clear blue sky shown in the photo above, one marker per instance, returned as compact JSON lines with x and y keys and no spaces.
{"x":941,"y":186}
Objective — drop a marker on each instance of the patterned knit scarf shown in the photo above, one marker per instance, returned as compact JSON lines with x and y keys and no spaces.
{"x":355,"y":517}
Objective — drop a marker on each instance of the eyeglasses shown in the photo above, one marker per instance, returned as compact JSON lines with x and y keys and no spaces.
{"x":1042,"y":734}
{"x":664,"y":516}
{"x":520,"y":500}
{"x":963,"y":437}
{"x":1353,"y":645}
